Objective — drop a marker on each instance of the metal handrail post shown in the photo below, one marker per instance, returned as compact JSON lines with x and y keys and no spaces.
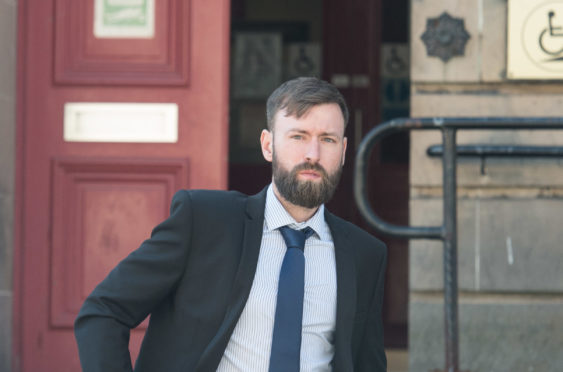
{"x":450,"y":249}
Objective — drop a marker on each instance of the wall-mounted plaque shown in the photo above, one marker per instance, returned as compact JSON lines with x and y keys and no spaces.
{"x":535,"y":40}
{"x":124,"y":18}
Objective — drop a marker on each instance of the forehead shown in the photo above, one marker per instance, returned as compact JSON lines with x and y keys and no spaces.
{"x":326,"y":117}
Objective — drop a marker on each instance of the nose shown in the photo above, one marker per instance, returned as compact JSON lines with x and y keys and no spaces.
{"x":313,"y":151}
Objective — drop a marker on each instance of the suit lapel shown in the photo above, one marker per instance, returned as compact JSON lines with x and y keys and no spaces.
{"x":253,"y":227}
{"x":345,"y":294}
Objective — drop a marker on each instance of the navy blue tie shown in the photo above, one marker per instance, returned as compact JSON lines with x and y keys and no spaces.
{"x":286,"y":339}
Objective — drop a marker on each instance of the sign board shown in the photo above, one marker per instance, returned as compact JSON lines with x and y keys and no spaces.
{"x":395,"y":83}
{"x":395,"y":60}
{"x":124,"y":18}
{"x":304,"y":59}
{"x":535,"y":39}
{"x":257,"y":60}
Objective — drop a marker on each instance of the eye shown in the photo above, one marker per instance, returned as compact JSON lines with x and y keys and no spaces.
{"x":329,"y":140}
{"x":297,"y":136}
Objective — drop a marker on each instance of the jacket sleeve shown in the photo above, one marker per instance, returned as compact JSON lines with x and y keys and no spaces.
{"x":371,"y":357}
{"x":131,"y":290}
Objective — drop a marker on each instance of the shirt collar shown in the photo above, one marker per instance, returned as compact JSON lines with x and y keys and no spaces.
{"x":275,"y":216}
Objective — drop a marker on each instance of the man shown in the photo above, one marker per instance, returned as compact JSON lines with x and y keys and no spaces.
{"x":225,"y":284}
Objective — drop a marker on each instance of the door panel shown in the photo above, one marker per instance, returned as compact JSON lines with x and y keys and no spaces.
{"x":81,"y":57}
{"x":101,"y":207}
{"x":83,"y":206}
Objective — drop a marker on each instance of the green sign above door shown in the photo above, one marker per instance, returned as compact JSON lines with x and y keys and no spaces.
{"x":124,"y":18}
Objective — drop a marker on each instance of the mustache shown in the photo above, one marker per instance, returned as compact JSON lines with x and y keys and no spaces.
{"x":309,"y":166}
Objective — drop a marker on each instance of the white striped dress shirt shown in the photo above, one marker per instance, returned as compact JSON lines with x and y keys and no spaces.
{"x":251,"y":341}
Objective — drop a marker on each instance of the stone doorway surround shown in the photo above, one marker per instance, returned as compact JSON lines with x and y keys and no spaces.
{"x":8,"y":43}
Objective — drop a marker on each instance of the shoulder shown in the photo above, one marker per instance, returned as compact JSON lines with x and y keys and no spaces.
{"x":363,"y":242}
{"x":200,"y":198}
{"x":209,"y":196}
{"x":211,"y":205}
{"x":352,"y":231}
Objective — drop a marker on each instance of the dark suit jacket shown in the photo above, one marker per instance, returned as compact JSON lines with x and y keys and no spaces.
{"x":193,"y":276}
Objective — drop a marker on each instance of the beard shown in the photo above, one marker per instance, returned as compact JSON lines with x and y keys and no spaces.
{"x":308,"y":194}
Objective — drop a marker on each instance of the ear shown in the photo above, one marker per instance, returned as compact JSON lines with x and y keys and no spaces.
{"x":266,"y":139}
{"x":345,"y":143}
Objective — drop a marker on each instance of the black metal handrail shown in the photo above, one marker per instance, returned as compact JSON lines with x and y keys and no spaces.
{"x":505,"y":151}
{"x":447,"y":232}
{"x":482,"y":150}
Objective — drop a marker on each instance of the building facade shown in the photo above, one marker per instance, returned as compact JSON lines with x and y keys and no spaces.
{"x":509,"y":209}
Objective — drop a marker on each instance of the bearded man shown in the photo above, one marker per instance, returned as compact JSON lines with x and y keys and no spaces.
{"x":269,"y":282}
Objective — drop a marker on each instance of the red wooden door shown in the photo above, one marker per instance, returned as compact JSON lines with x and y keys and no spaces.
{"x":92,"y":180}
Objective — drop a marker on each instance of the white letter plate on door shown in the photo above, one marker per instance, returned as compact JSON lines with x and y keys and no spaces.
{"x":121,"y":122}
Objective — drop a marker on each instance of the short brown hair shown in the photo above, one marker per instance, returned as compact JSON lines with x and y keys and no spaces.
{"x":299,"y":95}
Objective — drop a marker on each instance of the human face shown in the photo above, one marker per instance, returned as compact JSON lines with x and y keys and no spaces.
{"x":307,"y":154}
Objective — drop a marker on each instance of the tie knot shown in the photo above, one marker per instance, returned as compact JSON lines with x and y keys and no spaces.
{"x":295,"y":238}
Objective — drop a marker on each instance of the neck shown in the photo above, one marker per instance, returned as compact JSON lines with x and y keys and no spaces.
{"x":299,"y":213}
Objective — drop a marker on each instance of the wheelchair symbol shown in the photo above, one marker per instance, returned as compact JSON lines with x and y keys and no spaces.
{"x":548,"y":39}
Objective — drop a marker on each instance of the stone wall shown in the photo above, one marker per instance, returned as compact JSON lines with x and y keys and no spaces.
{"x":509,"y":212}
{"x":7,"y":148}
